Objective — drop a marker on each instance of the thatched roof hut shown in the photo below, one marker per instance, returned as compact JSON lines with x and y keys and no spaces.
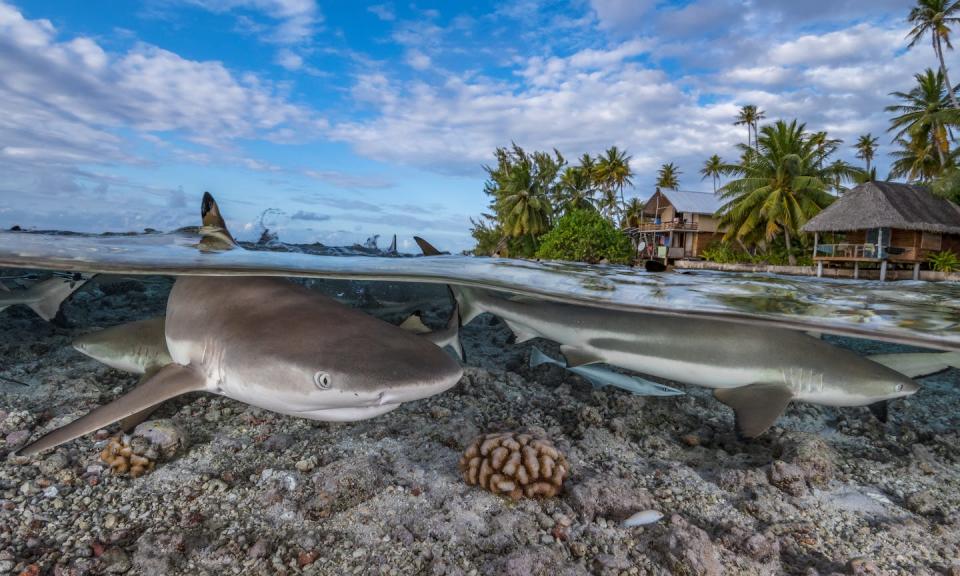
{"x":888,"y":205}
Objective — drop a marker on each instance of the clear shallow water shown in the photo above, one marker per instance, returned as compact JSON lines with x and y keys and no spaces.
{"x":919,"y":313}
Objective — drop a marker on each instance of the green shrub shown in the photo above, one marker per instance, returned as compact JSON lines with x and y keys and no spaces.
{"x":945,"y":261}
{"x":774,"y":254}
{"x":585,"y":236}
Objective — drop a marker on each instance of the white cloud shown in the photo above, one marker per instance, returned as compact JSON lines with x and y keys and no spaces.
{"x":384,"y":12}
{"x":289,"y":60}
{"x":418,"y":60}
{"x":859,"y":43}
{"x":622,"y":15}
{"x":297,"y":19}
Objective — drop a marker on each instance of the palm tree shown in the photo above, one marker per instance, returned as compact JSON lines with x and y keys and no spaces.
{"x":712,"y":168}
{"x":667,"y":177}
{"x":925,"y":113}
{"x":779,"y":187}
{"x":825,"y":146}
{"x":916,"y":160}
{"x":524,"y":204}
{"x":866,"y":147}
{"x":575,"y":190}
{"x":613,"y":171}
{"x":935,"y":17}
{"x":751,"y":116}
{"x":634,"y":213}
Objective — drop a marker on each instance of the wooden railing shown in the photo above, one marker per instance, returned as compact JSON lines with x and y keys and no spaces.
{"x":666,"y":226}
{"x":864,"y":252}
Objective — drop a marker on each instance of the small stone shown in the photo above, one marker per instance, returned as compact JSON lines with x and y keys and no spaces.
{"x":691,"y":440}
{"x":862,"y":567}
{"x":259,"y":549}
{"x":53,"y":464}
{"x":789,"y":478}
{"x":307,"y":558}
{"x":15,"y":439}
{"x":115,"y":560}
{"x":306,"y":464}
{"x":51,"y":492}
{"x":278,"y":442}
{"x":578,"y":549}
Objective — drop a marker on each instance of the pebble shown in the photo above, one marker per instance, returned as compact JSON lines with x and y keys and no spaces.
{"x":53,"y":464}
{"x":115,"y":560}
{"x":15,"y":439}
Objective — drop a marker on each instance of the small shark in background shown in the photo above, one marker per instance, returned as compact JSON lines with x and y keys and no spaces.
{"x":269,"y":343}
{"x":601,"y":377}
{"x":44,"y":297}
{"x":755,"y":370}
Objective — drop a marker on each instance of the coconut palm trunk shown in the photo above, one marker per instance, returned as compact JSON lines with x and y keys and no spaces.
{"x":938,"y":48}
{"x":791,"y":259}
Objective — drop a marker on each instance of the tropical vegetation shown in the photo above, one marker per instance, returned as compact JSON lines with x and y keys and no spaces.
{"x":784,"y":174}
{"x":585,"y":236}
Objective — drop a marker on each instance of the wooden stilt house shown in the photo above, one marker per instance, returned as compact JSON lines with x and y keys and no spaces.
{"x":883,"y":224}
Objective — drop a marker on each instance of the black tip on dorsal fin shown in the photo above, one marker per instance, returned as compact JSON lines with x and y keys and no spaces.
{"x":425,"y":247}
{"x":211,"y":218}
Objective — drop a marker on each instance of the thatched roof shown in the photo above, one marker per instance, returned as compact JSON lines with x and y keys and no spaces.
{"x":888,"y":205}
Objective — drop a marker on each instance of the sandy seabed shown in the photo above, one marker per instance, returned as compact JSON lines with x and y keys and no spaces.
{"x":827,"y":491}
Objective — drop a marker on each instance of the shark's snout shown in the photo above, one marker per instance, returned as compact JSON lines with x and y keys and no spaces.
{"x":439,"y":379}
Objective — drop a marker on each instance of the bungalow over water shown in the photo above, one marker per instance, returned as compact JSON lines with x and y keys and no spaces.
{"x":676,"y":224}
{"x":883,"y":224}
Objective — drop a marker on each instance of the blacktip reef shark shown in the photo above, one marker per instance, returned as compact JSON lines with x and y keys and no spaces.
{"x":601,"y":377}
{"x":276,"y":345}
{"x":44,"y":297}
{"x":755,"y":370}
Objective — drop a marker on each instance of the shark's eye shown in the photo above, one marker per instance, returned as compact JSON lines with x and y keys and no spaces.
{"x":322,"y":380}
{"x":899,"y":387}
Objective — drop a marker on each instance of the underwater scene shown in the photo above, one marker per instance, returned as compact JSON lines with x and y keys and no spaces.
{"x":185,"y":404}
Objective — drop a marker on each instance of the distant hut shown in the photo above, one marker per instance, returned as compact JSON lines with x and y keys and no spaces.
{"x":885,"y":223}
{"x":677,"y":224}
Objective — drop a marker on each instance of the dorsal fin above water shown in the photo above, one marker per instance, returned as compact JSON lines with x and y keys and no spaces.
{"x":215,"y":233}
{"x":756,"y":407}
{"x":577,"y":357}
{"x":425,"y":247}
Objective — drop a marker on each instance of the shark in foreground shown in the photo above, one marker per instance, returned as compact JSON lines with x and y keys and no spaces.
{"x":269,"y":343}
{"x":44,"y":297}
{"x":755,"y":370}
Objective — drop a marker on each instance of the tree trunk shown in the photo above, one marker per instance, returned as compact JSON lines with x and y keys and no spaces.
{"x":791,"y":259}
{"x":938,"y":48}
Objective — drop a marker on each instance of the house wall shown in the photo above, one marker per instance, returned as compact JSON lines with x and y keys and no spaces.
{"x":706,"y":222}
{"x":951,"y":242}
{"x":703,"y":239}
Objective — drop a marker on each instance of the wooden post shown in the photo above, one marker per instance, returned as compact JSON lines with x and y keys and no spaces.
{"x":819,"y":268}
{"x":883,"y":270}
{"x":856,"y":270}
{"x":816,"y":241}
{"x":916,"y":270}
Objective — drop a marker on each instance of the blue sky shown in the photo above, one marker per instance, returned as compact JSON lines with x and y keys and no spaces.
{"x":351,"y":119}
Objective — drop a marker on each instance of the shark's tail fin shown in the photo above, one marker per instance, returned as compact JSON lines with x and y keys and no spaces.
{"x":454,"y":324}
{"x":215,"y":233}
{"x":45,"y":297}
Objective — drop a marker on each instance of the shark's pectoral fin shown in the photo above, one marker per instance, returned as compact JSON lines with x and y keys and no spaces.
{"x":577,"y":357}
{"x":537,"y":357}
{"x":130,"y":422}
{"x":170,"y":381}
{"x":414,"y":324}
{"x":46,"y":297}
{"x":756,"y":407}
{"x":917,"y":364}
{"x":880,"y":410}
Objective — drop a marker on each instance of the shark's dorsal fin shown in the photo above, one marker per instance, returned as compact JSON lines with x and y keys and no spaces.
{"x":425,"y":247}
{"x":756,"y":407}
{"x":393,"y":245}
{"x":216,"y":236}
{"x":577,"y":357}
{"x":414,"y":324}
{"x":169,"y":382}
{"x":46,"y":297}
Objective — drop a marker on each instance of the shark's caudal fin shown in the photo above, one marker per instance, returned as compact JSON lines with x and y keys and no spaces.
{"x":44,"y":297}
{"x":756,"y":407}
{"x":917,"y":364}
{"x":215,"y":234}
{"x":170,"y":381}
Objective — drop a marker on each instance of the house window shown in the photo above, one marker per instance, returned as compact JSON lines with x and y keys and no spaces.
{"x":931,"y":241}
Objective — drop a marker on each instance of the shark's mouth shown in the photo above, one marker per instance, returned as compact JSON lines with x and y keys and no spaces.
{"x":349,"y":414}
